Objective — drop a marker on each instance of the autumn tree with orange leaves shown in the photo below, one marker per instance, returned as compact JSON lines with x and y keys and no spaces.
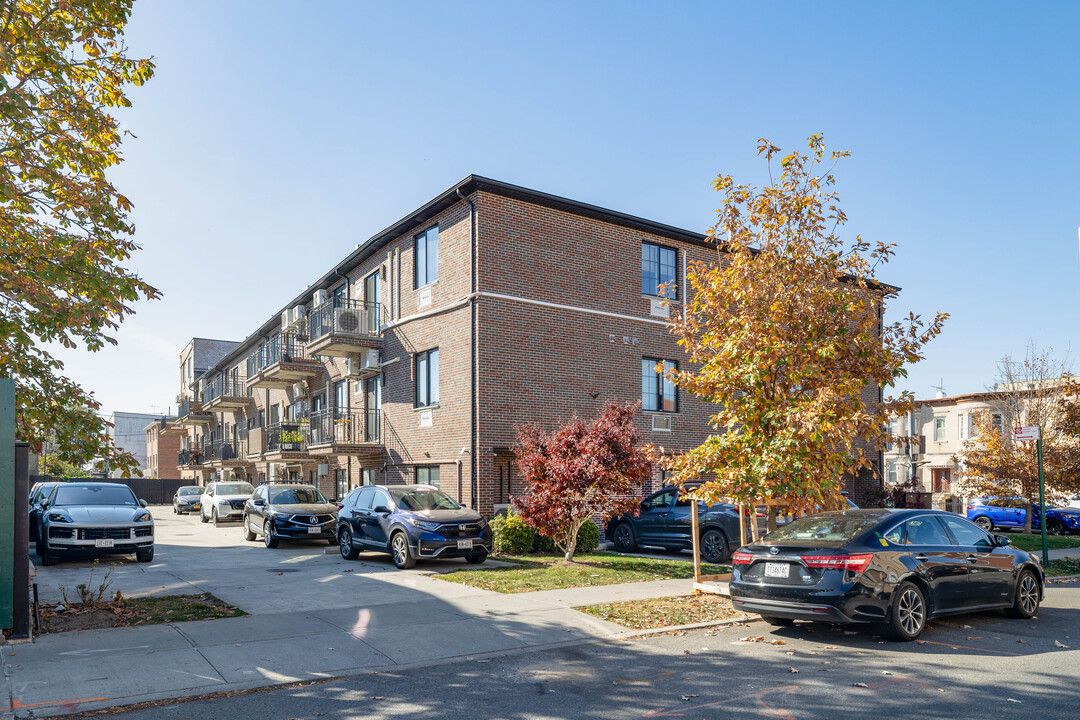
{"x":64,"y":228}
{"x":785,"y":336}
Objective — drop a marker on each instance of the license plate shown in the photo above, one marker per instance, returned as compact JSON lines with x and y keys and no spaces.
{"x":776,"y":570}
{"x":314,"y":531}
{"x":196,"y":507}
{"x":104,"y":543}
{"x":464,"y":544}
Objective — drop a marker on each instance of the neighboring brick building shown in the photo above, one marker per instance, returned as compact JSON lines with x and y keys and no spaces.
{"x":415,"y":357}
{"x":162,"y":448}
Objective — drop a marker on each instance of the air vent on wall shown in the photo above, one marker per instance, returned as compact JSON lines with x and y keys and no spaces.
{"x":661,"y":423}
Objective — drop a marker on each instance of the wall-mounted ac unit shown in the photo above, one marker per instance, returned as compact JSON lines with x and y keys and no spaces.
{"x":661,"y":423}
{"x":285,"y":320}
{"x":365,"y":361}
{"x":347,"y":321}
{"x":296,"y":314}
{"x":298,"y":390}
{"x":321,"y":298}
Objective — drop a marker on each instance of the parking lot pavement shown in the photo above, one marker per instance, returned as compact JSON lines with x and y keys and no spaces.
{"x":974,"y":666}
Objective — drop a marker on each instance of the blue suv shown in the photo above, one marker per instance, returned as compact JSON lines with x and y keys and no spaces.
{"x":410,"y":522}
{"x":990,"y":513}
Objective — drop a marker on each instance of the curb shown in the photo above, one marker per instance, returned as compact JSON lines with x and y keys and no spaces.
{"x":692,"y":626}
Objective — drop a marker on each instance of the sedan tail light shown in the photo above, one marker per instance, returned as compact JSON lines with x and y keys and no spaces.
{"x":854,"y":563}
{"x":741,"y":558}
{"x":339,"y":506}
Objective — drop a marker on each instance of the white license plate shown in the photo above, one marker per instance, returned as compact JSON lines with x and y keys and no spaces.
{"x":776,"y":570}
{"x":104,"y":543}
{"x":464,"y":544}
{"x":314,"y":531}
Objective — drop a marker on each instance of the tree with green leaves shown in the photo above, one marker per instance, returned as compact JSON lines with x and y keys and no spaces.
{"x":65,"y":230}
{"x":785,"y":336}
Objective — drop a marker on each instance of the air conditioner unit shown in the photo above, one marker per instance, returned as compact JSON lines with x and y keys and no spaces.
{"x":368,"y":360}
{"x":298,"y":313}
{"x":347,"y":321}
{"x":298,"y":390}
{"x":285,"y":320}
{"x":321,"y":298}
{"x":661,"y":423}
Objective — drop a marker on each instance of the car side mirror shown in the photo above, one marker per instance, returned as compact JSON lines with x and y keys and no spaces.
{"x":1002,"y":540}
{"x":259,"y":502}
{"x":646,"y":505}
{"x":142,"y":503}
{"x":382,"y":509}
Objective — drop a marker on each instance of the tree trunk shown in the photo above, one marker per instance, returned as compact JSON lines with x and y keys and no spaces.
{"x":770,"y":520}
{"x":1027,"y":516}
{"x":571,"y":546}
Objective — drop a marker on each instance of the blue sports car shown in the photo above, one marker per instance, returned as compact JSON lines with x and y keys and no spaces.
{"x":990,"y":513}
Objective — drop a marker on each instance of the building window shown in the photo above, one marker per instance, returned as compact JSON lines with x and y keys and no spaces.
{"x":341,"y":398}
{"x":658,"y":268}
{"x":657,"y":391}
{"x":939,"y":429}
{"x":341,"y":482}
{"x":426,"y":258}
{"x":427,"y":378}
{"x":371,"y":288}
{"x":960,"y":426}
{"x":428,"y":475}
{"x":275,"y":414}
{"x":997,"y":423}
{"x":892,"y":472}
{"x":973,"y":428}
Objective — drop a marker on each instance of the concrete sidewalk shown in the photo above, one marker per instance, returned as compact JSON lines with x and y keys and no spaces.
{"x":397,"y":620}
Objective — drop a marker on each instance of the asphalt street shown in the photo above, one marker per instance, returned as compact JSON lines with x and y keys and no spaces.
{"x":973,"y":666}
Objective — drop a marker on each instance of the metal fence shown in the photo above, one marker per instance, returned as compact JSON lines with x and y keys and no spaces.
{"x":155,"y":491}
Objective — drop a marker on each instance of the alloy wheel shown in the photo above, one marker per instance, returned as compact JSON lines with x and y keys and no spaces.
{"x":624,"y":536}
{"x":401,"y":549}
{"x":344,"y":542}
{"x":911,"y":611}
{"x":985,"y":523}
{"x":1029,"y":594}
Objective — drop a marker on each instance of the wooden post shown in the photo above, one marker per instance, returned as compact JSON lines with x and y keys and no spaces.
{"x":7,"y":504}
{"x":695,"y":540}
{"x":753,"y":523}
{"x":742,"y":526}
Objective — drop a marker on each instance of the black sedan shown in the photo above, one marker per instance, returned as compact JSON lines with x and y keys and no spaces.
{"x":897,"y":568}
{"x":664,"y":521}
{"x":289,"y":512}
{"x":186,"y":499}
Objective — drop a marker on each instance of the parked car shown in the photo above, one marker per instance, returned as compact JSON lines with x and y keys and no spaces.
{"x":289,"y":512}
{"x":898,"y":568}
{"x":187,"y":499}
{"x":410,"y":522}
{"x":223,"y":501}
{"x":1074,"y":502}
{"x":664,"y":521}
{"x":94,"y":518}
{"x":991,"y":513}
{"x":38,"y":493}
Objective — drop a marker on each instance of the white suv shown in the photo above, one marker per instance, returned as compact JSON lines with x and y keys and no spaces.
{"x":1075,"y":501}
{"x":223,"y":501}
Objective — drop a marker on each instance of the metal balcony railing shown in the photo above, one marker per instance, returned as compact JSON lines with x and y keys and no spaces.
{"x":288,"y":436}
{"x":344,"y":317}
{"x":283,"y":347}
{"x":225,"y":450}
{"x":188,"y":407}
{"x":224,"y":386}
{"x":355,"y":427}
{"x":191,"y":456}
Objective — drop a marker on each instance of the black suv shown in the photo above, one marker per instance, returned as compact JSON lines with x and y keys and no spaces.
{"x":289,"y":512}
{"x":665,"y":522}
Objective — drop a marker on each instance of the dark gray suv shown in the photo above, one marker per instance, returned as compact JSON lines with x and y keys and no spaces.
{"x":664,"y":522}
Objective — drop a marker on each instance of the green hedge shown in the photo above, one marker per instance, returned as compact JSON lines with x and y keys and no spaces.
{"x":512,"y":535}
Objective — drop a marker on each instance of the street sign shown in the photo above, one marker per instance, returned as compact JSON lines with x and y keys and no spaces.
{"x":1030,"y":432}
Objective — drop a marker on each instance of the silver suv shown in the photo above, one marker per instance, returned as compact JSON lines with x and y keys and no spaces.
{"x":93,"y":518}
{"x":224,"y":500}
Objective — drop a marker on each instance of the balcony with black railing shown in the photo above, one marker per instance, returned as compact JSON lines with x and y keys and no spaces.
{"x":286,"y":439}
{"x":226,"y":392}
{"x":340,"y":328}
{"x":191,"y":412}
{"x":281,"y":361}
{"x":333,"y":432}
{"x":227,"y":453}
{"x":190,"y":457}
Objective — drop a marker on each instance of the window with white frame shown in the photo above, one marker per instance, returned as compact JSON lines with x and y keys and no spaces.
{"x":892,"y":472}
{"x":973,"y":428}
{"x":939,"y":429}
{"x":961,"y":426}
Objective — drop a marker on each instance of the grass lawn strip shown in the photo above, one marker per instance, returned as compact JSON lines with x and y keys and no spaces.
{"x":1064,"y":566}
{"x":1033,"y":542}
{"x":128,"y":612}
{"x":665,"y":612}
{"x":532,"y":573}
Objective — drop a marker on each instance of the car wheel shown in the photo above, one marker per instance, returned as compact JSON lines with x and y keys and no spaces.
{"x":1026,"y":598}
{"x":217,"y":522}
{"x":714,"y":546}
{"x":43,"y":554}
{"x":345,"y":544}
{"x":270,"y":540}
{"x":144,"y":555}
{"x":1055,"y":527}
{"x":476,"y":558}
{"x":624,"y":538}
{"x":907,"y":616}
{"x":249,"y":535}
{"x":399,"y":550}
{"x":175,"y":510}
{"x":778,"y":622}
{"x":202,"y":516}
{"x":984,"y":522}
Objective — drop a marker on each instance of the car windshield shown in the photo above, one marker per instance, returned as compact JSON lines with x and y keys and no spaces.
{"x":828,"y":528}
{"x":234,"y":489}
{"x":95,"y":495}
{"x":295,"y":496}
{"x":188,"y":491}
{"x":423,"y":499}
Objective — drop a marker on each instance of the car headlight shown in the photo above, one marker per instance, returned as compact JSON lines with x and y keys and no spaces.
{"x":423,"y":524}
{"x":142,"y":517}
{"x":59,"y":517}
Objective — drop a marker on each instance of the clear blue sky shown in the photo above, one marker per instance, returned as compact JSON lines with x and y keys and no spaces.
{"x":276,"y":136}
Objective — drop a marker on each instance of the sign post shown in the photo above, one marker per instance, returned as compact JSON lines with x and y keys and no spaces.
{"x":1033,"y":432}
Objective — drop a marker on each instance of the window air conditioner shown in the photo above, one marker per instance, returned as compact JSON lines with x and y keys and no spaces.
{"x":661,"y":423}
{"x":346,"y":321}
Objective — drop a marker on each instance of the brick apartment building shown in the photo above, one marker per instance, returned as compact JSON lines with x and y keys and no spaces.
{"x":413,"y":359}
{"x":162,"y":448}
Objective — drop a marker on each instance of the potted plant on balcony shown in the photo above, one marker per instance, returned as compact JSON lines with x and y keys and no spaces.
{"x":291,"y":439}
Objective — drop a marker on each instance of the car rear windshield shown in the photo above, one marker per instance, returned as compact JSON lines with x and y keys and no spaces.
{"x":234,"y":489}
{"x":827,"y":528}
{"x":296,"y":496}
{"x":189,"y":491}
{"x":423,"y":500}
{"x":89,"y":495}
